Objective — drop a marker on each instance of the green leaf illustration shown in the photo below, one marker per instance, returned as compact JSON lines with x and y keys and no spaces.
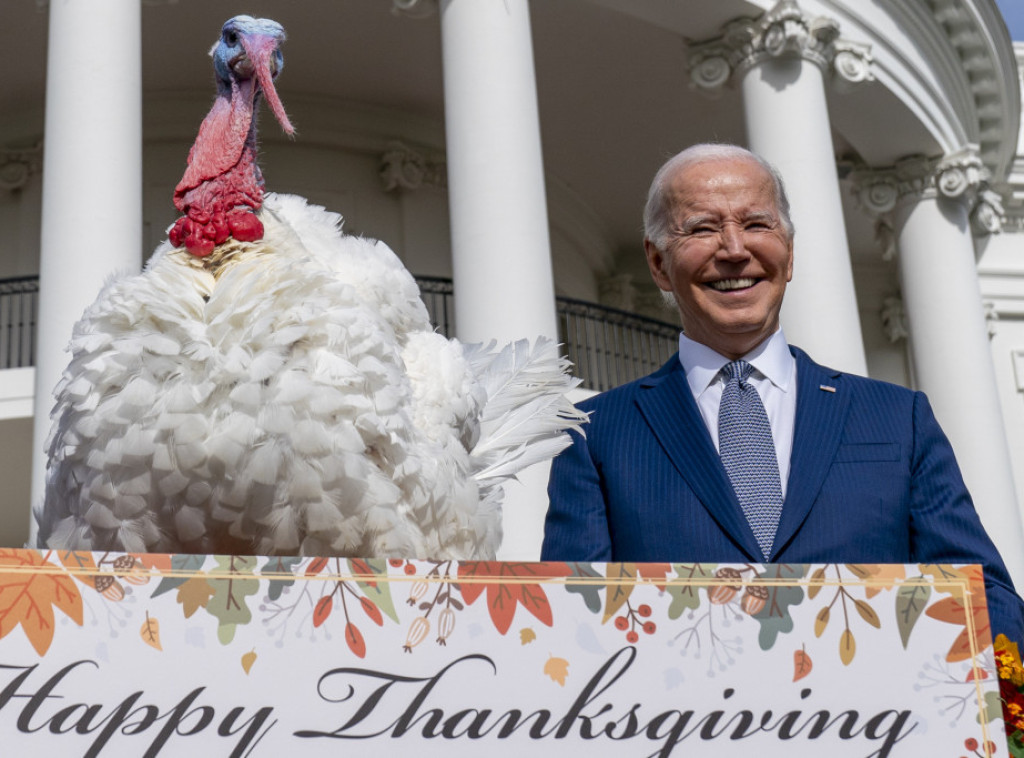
{"x":911,"y":599}
{"x":279,"y":565}
{"x":774,"y":618}
{"x":378,"y":592}
{"x":686,"y":596}
{"x":232,"y":581}
{"x":590,"y":591}
{"x":180,"y":563}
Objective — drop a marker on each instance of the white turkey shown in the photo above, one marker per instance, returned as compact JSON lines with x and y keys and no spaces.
{"x":268,"y":384}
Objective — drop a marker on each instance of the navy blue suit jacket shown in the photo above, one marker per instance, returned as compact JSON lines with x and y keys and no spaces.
{"x":873,"y":479}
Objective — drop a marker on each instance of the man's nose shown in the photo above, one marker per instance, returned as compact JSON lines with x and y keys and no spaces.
{"x":732,"y":245}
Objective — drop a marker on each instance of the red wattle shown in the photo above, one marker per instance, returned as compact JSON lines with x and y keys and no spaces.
{"x":245,"y":227}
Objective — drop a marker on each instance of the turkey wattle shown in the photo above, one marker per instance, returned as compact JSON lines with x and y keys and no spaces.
{"x":268,"y":384}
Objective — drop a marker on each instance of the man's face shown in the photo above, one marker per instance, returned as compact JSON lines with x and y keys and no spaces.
{"x":728,"y":257}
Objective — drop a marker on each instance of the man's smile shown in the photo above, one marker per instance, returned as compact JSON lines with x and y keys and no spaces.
{"x":730,"y":285}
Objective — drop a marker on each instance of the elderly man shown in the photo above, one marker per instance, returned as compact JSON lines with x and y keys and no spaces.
{"x":741,"y":448}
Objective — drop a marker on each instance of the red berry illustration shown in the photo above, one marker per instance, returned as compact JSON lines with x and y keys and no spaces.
{"x":632,"y":638}
{"x":649,"y":627}
{"x":644,"y":610}
{"x":410,"y":569}
{"x":621,"y":622}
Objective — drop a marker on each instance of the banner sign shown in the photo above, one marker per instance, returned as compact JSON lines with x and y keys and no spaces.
{"x":170,"y":655}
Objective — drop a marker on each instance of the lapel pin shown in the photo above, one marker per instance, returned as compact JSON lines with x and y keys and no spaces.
{"x":826,"y":387}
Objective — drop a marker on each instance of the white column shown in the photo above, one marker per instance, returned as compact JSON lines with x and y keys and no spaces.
{"x":501,"y":253}
{"x":92,"y":179}
{"x":779,"y":60}
{"x":949,"y":340}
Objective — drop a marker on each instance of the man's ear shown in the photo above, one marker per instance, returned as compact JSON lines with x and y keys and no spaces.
{"x":656,"y":263}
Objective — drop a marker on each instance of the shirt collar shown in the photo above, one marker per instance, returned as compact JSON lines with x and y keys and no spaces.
{"x":771,"y":358}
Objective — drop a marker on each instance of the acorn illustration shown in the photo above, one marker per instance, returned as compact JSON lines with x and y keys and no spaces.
{"x":721,"y":594}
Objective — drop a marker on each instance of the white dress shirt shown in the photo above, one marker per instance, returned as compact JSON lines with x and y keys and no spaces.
{"x":774,"y":377}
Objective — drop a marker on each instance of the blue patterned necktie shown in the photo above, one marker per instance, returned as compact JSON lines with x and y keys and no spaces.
{"x":748,"y":453}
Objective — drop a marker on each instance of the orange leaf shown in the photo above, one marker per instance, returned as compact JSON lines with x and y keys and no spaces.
{"x":150,"y":632}
{"x":527,"y":635}
{"x":802,"y":665}
{"x":504,"y":597}
{"x":27,"y":599}
{"x":158,"y":561}
{"x":355,"y":640}
{"x":372,"y":611}
{"x":656,"y":571}
{"x":953,"y":610}
{"x":323,"y":609}
{"x":79,"y":565}
{"x":316,"y":566}
{"x":557,"y":669}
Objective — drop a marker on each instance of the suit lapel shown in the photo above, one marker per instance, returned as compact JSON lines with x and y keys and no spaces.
{"x":667,"y":404}
{"x":820,"y":415}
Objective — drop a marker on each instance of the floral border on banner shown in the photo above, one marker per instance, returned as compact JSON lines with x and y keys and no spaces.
{"x":288,"y":594}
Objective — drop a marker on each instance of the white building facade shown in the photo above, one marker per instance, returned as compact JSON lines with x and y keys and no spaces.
{"x":508,"y":145}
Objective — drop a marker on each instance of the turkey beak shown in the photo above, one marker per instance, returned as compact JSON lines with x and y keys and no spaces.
{"x":265,"y":60}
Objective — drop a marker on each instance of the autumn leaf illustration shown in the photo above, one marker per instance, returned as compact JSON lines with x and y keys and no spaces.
{"x":194,"y":594}
{"x":81,"y":565}
{"x":156,"y":561}
{"x":589,"y":589}
{"x":355,"y":640}
{"x":654,"y":571}
{"x":557,"y":669}
{"x":183,"y":565}
{"x":685,"y":595}
{"x":377,"y":592}
{"x":316,"y":566}
{"x":27,"y":598}
{"x":885,"y":578}
{"x":150,"y":632}
{"x":847,"y":647}
{"x":802,"y":664}
{"x":323,"y":609}
{"x":232,"y":581}
{"x":515,"y":589}
{"x":953,"y":610}
{"x":527,"y":635}
{"x":620,"y":587}
{"x":248,"y":660}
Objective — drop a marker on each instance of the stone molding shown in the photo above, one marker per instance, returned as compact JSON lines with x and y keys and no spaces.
{"x":894,"y":319}
{"x":414,"y":8}
{"x":784,"y":31}
{"x":961,"y":176}
{"x":402,"y":168}
{"x":17,"y":165}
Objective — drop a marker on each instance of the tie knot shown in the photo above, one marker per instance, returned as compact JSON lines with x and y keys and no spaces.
{"x":738,"y":370}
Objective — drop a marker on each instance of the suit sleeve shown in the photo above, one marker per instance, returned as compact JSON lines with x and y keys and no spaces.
{"x":576,"y":526}
{"x":945,"y":527}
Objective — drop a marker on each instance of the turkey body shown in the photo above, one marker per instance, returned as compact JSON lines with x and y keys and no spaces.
{"x":288,"y":396}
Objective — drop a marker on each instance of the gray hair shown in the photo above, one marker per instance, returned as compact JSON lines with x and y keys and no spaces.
{"x":656,"y":213}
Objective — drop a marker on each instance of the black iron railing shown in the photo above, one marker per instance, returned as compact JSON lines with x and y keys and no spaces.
{"x":19,"y":299}
{"x":608,"y":347}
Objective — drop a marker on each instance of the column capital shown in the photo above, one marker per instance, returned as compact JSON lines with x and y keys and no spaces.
{"x":403,"y":168}
{"x":784,"y":31}
{"x":959,"y":176}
